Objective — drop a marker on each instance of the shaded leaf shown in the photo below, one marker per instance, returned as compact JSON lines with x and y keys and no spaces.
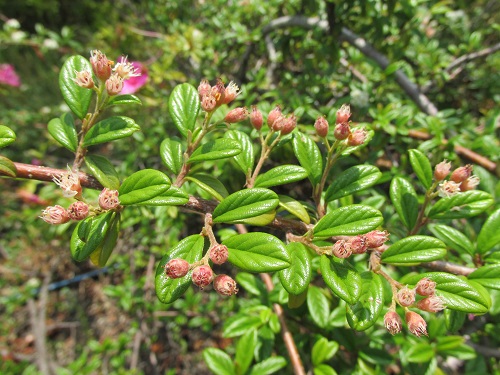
{"x":318,"y":306}
{"x":103,"y":170}
{"x":63,"y":131}
{"x":352,"y":180}
{"x":422,"y":167}
{"x":77,"y":98}
{"x":110,"y":129}
{"x":296,"y":278}
{"x":342,"y":278}
{"x":171,"y":154}
{"x":405,"y":201}
{"x":365,"y":312}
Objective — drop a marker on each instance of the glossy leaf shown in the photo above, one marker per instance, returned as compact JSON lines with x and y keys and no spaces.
{"x":171,"y":154}
{"x":348,"y":220}
{"x":365,"y":312}
{"x":245,"y":351}
{"x":218,"y":361}
{"x":324,"y":369}
{"x":294,"y":207}
{"x":110,"y":129}
{"x":405,"y":201}
{"x":245,"y":204}
{"x":172,"y":197}
{"x":461,"y":205}
{"x":268,"y":366}
{"x":488,"y":276}
{"x":77,"y":98}
{"x":318,"y":306}
{"x":457,"y":292}
{"x":489,"y":236}
{"x":101,"y":255}
{"x":7,"y":136}
{"x":323,"y":350}
{"x":453,"y":238}
{"x":419,"y":353}
{"x":296,"y":278}
{"x":183,"y":106}
{"x":103,"y":170}
{"x":239,"y":324}
{"x":142,"y":186}
{"x":191,"y":250}
{"x":126,"y":99}
{"x":454,"y":319}
{"x":88,"y":235}
{"x":414,"y":250}
{"x":221,"y":148}
{"x":63,"y":131}
{"x":352,"y":180}
{"x":295,"y":301}
{"x":209,"y":184}
{"x":251,"y":283}
{"x":309,"y":156}
{"x":283,"y":174}
{"x":7,"y":167}
{"x":245,"y":159}
{"x":257,"y":252}
{"x":342,"y":278}
{"x":422,"y":167}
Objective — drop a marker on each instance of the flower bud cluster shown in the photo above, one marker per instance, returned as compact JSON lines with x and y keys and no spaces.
{"x":359,"y":244}
{"x":212,"y":97}
{"x":461,"y":179}
{"x":279,"y":122}
{"x":342,"y":130}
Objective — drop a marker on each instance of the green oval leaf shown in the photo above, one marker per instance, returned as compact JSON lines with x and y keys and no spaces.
{"x":283,"y":174}
{"x":209,"y":184}
{"x":294,"y":207}
{"x":318,"y":306}
{"x":352,"y":180}
{"x":183,"y":106}
{"x":142,"y":186}
{"x":323,"y":350}
{"x":219,"y":149}
{"x":348,"y":220}
{"x":110,"y":129}
{"x":422,"y":167}
{"x":309,"y":156}
{"x":296,"y":278}
{"x":126,"y":99}
{"x":7,"y":136}
{"x":88,"y":235}
{"x":77,"y":98}
{"x":342,"y":278}
{"x":7,"y":167}
{"x":419,"y":353}
{"x":63,"y":131}
{"x":245,"y":204}
{"x":102,"y":169}
{"x":457,"y":292}
{"x":218,"y":361}
{"x":368,"y":308}
{"x":172,"y":197}
{"x":453,"y":238}
{"x":405,"y":201}
{"x":488,"y":276}
{"x":245,"y":158}
{"x":454,"y":319}
{"x":191,"y":250}
{"x":257,"y":252}
{"x":461,"y":205}
{"x":414,"y":250}
{"x":171,"y":154}
{"x":245,"y":350}
{"x":489,"y":236}
{"x":239,"y":324}
{"x":101,"y":255}
{"x":268,"y":366}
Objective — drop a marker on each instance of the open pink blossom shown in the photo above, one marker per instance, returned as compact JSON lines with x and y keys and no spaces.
{"x":8,"y":76}
{"x":134,"y":83}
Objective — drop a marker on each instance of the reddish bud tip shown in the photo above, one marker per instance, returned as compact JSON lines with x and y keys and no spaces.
{"x":357,"y":137}
{"x":84,"y":79}
{"x":114,"y":84}
{"x":273,"y":116}
{"x":230,"y":93}
{"x":376,"y":238}
{"x":204,"y":88}
{"x":358,"y":244}
{"x":442,"y":170}
{"x":225,"y":285}
{"x":431,"y":304}
{"x":100,"y":65}
{"x":343,"y":114}
{"x":218,"y":254}
{"x":342,"y":131}
{"x":341,"y":249}
{"x":55,"y":215}
{"x":256,"y":118}
{"x":461,"y":174}
{"x":448,"y":189}
{"x":236,"y":115}
{"x":218,"y":91}
{"x":416,"y":324}
{"x":176,"y":268}
{"x":108,"y":199}
{"x":321,"y":125}
{"x":78,"y":210}
{"x":202,"y":276}
{"x":393,"y":322}
{"x":406,"y":296}
{"x":470,"y":184}
{"x":289,"y":124}
{"x":208,"y":103}
{"x":425,"y":287}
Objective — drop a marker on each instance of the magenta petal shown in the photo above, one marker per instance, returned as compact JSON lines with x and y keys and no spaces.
{"x":133,"y":84}
{"x":8,"y":75}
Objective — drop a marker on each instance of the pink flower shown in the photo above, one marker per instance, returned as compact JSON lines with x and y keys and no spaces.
{"x":136,"y":80}
{"x":8,"y":76}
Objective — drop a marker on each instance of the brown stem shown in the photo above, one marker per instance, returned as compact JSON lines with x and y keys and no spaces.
{"x":264,"y":154}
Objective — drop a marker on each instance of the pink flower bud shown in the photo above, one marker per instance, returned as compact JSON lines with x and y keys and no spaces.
{"x":202,"y":276}
{"x":84,"y":79}
{"x":431,"y":304}
{"x":461,"y":174}
{"x":393,"y":322}
{"x":100,"y":65}
{"x":442,"y":170}
{"x":225,"y":285}
{"x":469,"y":184}
{"x":321,"y":125}
{"x":289,"y":124}
{"x":218,"y":91}
{"x":343,"y":114}
{"x":55,"y":215}
{"x":230,"y":93}
{"x":273,"y":115}
{"x":114,"y":84}
{"x":236,"y":115}
{"x":358,"y":244}
{"x":204,"y":88}
{"x":256,"y":118}
{"x":416,"y":324}
{"x":108,"y":199}
{"x":342,"y":131}
{"x":376,"y":238}
{"x":78,"y":210}
{"x":357,"y":137}
{"x":425,"y":287}
{"x":208,"y":103}
{"x":278,"y":123}
{"x":218,"y":254}
{"x":176,"y":268}
{"x":406,"y":296}
{"x":448,"y":189}
{"x":341,"y":249}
